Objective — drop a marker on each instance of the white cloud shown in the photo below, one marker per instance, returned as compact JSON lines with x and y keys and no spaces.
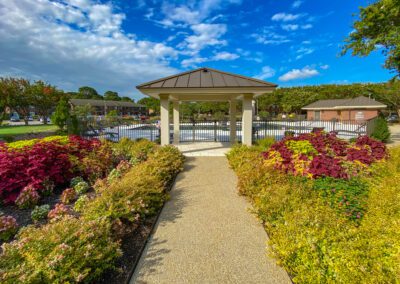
{"x":297,"y":4}
{"x":284,"y":17}
{"x":324,"y":67}
{"x":269,"y":37}
{"x":190,"y":13}
{"x":75,"y":43}
{"x":290,"y":27}
{"x":219,"y":56}
{"x":193,"y":61}
{"x":295,"y":27}
{"x":225,"y":56}
{"x":205,"y":35}
{"x":266,"y":72}
{"x":303,"y":51}
{"x":306,"y":26}
{"x":294,"y":74}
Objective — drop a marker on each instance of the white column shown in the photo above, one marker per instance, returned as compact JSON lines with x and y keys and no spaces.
{"x":176,"y":121}
{"x":164,"y":109}
{"x":232,"y":116}
{"x":247,"y":120}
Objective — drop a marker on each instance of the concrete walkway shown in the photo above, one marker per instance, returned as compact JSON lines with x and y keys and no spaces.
{"x":204,"y":149}
{"x":206,"y":235}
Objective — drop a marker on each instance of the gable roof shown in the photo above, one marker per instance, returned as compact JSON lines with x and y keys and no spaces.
{"x":358,"y":102}
{"x":102,"y":103}
{"x":205,"y":78}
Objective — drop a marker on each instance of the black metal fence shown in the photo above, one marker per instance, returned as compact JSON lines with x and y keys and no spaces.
{"x":219,"y":131}
{"x":204,"y":130}
{"x":279,"y":128}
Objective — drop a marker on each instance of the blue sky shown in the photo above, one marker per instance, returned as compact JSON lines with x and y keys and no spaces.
{"x":115,"y":45}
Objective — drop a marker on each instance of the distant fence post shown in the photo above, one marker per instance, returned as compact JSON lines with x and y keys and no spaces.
{"x":215,"y":131}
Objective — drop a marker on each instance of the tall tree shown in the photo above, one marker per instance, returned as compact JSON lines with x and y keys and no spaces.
{"x":377,"y":29}
{"x":44,"y":98}
{"x":88,"y":93}
{"x":4,"y":97}
{"x":111,"y":96}
{"x":151,"y":103}
{"x":61,"y":114}
{"x":20,"y":98}
{"x":127,"y":99}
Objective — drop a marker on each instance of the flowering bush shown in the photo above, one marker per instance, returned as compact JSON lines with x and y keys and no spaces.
{"x":81,"y":188}
{"x":8,"y":227}
{"x":123,"y":166}
{"x":51,"y":162}
{"x":68,"y":195}
{"x":28,"y":197}
{"x":40,"y":212}
{"x":76,"y":180}
{"x":81,"y":203}
{"x":59,"y":211}
{"x":68,"y":251}
{"x":310,"y":240}
{"x":324,"y":155}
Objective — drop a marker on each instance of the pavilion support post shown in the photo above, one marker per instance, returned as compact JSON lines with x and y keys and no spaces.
{"x":232,"y":118}
{"x":247,"y":120}
{"x":164,"y":109}
{"x":176,"y":121}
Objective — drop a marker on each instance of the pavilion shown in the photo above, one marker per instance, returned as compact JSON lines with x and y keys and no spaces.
{"x":206,"y":84}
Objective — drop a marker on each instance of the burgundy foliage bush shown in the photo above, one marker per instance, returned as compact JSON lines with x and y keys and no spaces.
{"x":323,"y":154}
{"x":44,"y":162}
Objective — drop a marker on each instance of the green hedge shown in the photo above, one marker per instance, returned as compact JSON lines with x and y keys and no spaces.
{"x":80,"y":247}
{"x":310,"y":238}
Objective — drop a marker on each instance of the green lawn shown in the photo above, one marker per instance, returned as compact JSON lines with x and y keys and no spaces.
{"x":23,"y":129}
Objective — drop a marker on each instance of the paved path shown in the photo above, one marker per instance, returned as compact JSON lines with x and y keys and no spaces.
{"x":206,"y":235}
{"x":205,"y":149}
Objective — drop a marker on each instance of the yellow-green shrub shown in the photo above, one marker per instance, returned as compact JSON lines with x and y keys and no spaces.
{"x":137,"y":150}
{"x":309,"y":238}
{"x":70,"y":250}
{"x":29,"y":143}
{"x":141,"y":191}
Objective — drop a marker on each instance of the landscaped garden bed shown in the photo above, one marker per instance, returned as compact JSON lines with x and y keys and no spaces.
{"x":330,"y":207}
{"x":83,"y":209}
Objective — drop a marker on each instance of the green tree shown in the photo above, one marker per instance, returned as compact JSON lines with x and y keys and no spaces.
{"x":151,"y":103}
{"x":20,"y":99}
{"x":88,"y":93}
{"x":44,"y":97}
{"x":377,"y":29}
{"x":4,"y":96}
{"x":61,"y":114}
{"x":82,"y":111}
{"x":111,"y":96}
{"x":127,"y":99}
{"x":381,"y":130}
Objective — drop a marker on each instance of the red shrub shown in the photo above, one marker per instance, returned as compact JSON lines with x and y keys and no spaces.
{"x":50,"y":162}
{"x":323,"y":154}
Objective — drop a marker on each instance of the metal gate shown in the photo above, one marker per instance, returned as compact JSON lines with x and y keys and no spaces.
{"x":204,"y":130}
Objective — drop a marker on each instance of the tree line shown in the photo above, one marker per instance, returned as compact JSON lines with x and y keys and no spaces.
{"x":20,"y":95}
{"x":292,"y":99}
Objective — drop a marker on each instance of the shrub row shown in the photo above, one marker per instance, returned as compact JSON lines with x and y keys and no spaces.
{"x":80,"y":246}
{"x":323,"y":154}
{"x":52,"y":161}
{"x":309,"y":234}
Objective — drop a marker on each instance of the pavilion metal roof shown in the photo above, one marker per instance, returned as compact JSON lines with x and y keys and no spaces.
{"x":358,"y":102}
{"x":205,"y":78}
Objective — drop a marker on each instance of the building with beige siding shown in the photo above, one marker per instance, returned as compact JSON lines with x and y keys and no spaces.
{"x":359,"y":108}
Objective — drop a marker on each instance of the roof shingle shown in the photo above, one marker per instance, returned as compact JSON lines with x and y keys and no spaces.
{"x":360,"y":101}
